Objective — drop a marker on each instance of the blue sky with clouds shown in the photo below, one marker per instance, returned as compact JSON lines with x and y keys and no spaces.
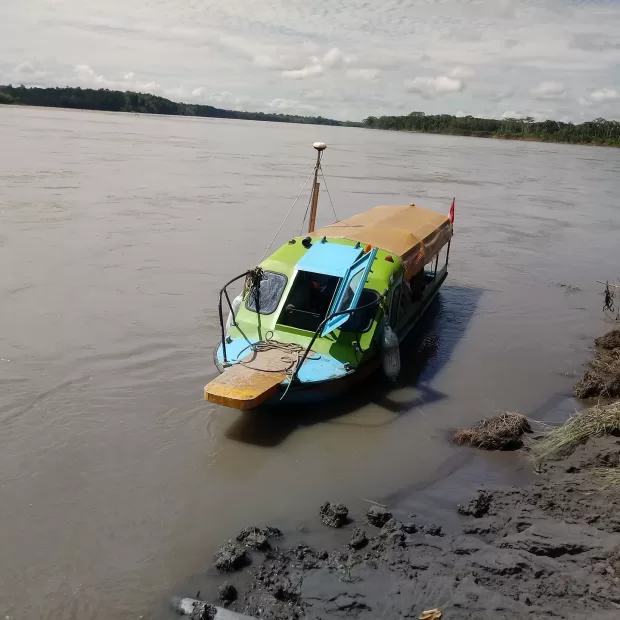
{"x":341,"y":58}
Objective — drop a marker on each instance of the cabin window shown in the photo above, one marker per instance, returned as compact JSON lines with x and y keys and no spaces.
{"x":394,"y":306}
{"x":361,"y":321}
{"x":266,"y":297}
{"x":309,"y":300}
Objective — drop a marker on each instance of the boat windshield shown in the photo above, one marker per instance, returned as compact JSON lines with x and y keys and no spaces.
{"x":309,"y":300}
{"x":350,"y":291}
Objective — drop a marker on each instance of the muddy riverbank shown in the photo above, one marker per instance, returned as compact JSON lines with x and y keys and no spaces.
{"x":549,"y":548}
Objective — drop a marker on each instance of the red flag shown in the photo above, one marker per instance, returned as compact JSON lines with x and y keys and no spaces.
{"x":451,"y":216}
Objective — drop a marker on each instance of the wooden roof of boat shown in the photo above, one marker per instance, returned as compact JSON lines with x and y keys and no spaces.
{"x":414,"y":234}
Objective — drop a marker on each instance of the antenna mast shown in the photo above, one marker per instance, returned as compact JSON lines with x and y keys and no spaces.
{"x":320,"y":147}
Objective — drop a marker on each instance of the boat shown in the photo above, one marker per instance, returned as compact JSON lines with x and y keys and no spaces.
{"x":331,"y":307}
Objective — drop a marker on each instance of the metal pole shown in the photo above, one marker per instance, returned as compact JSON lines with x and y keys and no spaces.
{"x":320,"y":147}
{"x":448,"y":253}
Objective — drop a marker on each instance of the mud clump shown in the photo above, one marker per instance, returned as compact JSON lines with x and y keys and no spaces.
{"x":258,"y":538}
{"x":432,"y":530}
{"x":378,"y":516}
{"x":478,"y":506}
{"x":610,"y":340}
{"x":597,"y":383}
{"x":590,"y":385}
{"x":393,"y":533}
{"x":358,"y":539}
{"x":286,"y":591}
{"x":334,"y":515}
{"x":227,"y":594}
{"x":231,"y":557}
{"x":502,"y":432}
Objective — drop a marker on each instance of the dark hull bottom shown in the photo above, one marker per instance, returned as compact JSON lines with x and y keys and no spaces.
{"x":321,"y":392}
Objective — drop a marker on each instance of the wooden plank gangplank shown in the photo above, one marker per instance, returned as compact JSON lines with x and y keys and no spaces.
{"x":241,"y":387}
{"x":246,"y":385}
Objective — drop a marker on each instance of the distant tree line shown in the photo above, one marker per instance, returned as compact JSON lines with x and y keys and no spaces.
{"x":118,"y":101}
{"x":599,"y":131}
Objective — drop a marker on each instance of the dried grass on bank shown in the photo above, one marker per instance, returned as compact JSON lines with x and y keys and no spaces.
{"x":595,"y":422}
{"x":502,"y":432}
{"x":607,"y":478}
{"x":602,"y":379}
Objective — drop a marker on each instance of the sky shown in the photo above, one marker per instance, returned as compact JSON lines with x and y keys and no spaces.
{"x":344,"y":59}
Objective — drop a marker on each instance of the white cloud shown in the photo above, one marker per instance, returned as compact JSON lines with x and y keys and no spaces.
{"x":430,"y":87}
{"x":514,"y":114}
{"x":279,"y":61}
{"x":85,"y":76}
{"x":369,"y":75}
{"x":29,"y":73}
{"x":306,"y":72}
{"x":224,"y":99}
{"x":487,"y":56}
{"x":288,"y":105}
{"x":549,"y":90}
{"x":314,"y":95}
{"x":462,"y":73}
{"x":27,"y":68}
{"x":604,"y":94}
{"x":586,"y":103}
{"x":334,"y":58}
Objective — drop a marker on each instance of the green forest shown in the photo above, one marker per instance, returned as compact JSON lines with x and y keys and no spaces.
{"x":118,"y":101}
{"x":599,"y":131}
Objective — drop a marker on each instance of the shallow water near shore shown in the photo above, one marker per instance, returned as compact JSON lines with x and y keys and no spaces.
{"x":117,"y":481}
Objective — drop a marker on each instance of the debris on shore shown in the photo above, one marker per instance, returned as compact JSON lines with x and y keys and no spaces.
{"x":502,"y":432}
{"x":195,"y":609}
{"x":334,"y":515}
{"x":231,"y":557}
{"x":378,"y":515}
{"x":258,"y":537}
{"x":478,"y":506}
{"x":227,"y":594}
{"x":602,"y":379}
{"x":358,"y":539}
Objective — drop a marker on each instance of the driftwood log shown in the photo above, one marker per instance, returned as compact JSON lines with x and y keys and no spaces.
{"x":193,"y":608}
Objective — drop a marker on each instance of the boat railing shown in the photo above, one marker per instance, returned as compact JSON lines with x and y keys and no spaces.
{"x":254,"y":274}
{"x":223,"y":292}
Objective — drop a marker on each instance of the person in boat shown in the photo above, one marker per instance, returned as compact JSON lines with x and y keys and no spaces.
{"x":416,"y":285}
{"x":313,"y":293}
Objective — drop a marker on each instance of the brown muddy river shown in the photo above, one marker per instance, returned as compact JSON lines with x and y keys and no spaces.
{"x":117,"y":481}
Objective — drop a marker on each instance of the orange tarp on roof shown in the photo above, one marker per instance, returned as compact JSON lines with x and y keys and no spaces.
{"x":414,"y":234}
